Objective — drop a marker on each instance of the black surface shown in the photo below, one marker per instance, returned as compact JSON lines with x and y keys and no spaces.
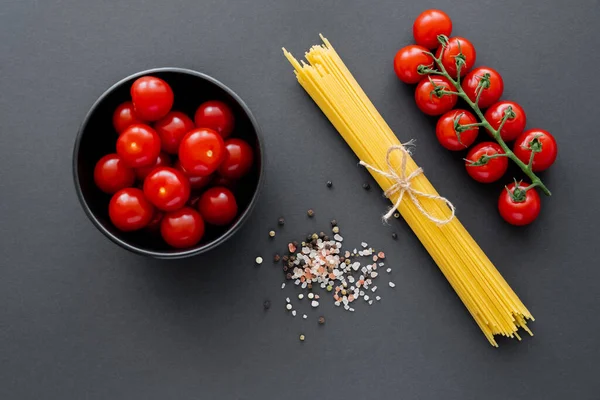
{"x":82,"y":318}
{"x":96,"y":138}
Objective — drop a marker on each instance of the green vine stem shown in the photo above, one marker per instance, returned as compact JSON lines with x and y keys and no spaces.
{"x":440,"y":91}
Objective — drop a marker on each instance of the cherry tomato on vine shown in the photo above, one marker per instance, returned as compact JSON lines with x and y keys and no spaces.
{"x":490,"y":92}
{"x":457,"y":45}
{"x":201,"y":151}
{"x":167,"y":188}
{"x":196,"y":182}
{"x":517,"y":206}
{"x":542,"y":143}
{"x":408,"y":59}
{"x":218,"y":206}
{"x":111,"y":174}
{"x":447,"y":134}
{"x":171,"y":129}
{"x":215,"y":115}
{"x":481,"y":167}
{"x":182,"y":228}
{"x":428,"y":25}
{"x":152,"y":98}
{"x":129,"y":210}
{"x":162,"y":160}
{"x":124,"y":116}
{"x":238,"y":159}
{"x":430,"y":100}
{"x":138,"y":145}
{"x":513,"y":126}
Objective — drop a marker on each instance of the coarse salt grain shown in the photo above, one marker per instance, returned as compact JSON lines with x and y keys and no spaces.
{"x":366,"y":297}
{"x":304,"y":316}
{"x":373,"y":289}
{"x":293,"y":313}
{"x":338,"y":237}
{"x":377,"y":298}
{"x":287,"y":299}
{"x":283,"y":285}
{"x":381,"y":264}
{"x":388,"y":270}
{"x":314,"y":303}
{"x":374,"y":274}
{"x":392,"y":284}
{"x":364,"y":245}
{"x":370,"y":302}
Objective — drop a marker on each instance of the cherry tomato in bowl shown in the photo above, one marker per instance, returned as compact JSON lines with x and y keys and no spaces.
{"x":201,"y":151}
{"x":451,"y":136}
{"x":430,"y":96}
{"x":166,"y":188}
{"x":491,"y":88}
{"x":455,"y":47}
{"x":541,"y":143}
{"x":215,"y":115}
{"x":124,"y":116}
{"x":218,"y":206}
{"x":182,"y":228}
{"x":111,"y":174}
{"x":152,"y":98}
{"x":429,"y":25}
{"x":129,"y":210}
{"x":238,"y":159}
{"x":514,"y":125}
{"x":518,"y":205}
{"x":485,"y":162}
{"x":138,"y":146}
{"x":171,"y":129}
{"x":407,"y":61}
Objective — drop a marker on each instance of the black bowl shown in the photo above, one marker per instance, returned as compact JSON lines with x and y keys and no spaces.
{"x":97,"y":137}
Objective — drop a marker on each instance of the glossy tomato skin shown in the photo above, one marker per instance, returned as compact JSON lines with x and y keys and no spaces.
{"x":519,"y":213}
{"x":124,"y":116}
{"x":428,"y":25}
{"x":536,"y":138}
{"x":430,"y":103}
{"x":446,"y":134}
{"x":408,"y":59}
{"x":514,"y":126}
{"x":182,"y":228}
{"x":162,"y":160}
{"x":455,"y":46}
{"x":201,"y":151}
{"x":488,"y":96}
{"x":111,"y":174}
{"x":238,"y":159}
{"x":196,"y":182}
{"x":218,"y":206}
{"x":171,"y":129}
{"x":495,"y":167}
{"x":129,"y":210}
{"x":215,"y":115}
{"x":167,"y":189}
{"x":152,"y":98}
{"x":138,"y":146}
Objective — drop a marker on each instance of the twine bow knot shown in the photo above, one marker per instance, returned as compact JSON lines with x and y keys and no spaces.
{"x":402,"y":185}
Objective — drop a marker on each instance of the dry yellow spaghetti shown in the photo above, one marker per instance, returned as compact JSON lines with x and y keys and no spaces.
{"x":490,"y":300}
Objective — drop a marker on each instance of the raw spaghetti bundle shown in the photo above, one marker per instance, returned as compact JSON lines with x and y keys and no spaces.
{"x":490,"y":300}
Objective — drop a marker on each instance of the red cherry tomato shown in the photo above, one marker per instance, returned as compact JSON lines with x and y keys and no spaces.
{"x":167,"y":188}
{"x":457,"y":45}
{"x":428,"y":25}
{"x":171,"y":129}
{"x":138,"y":146}
{"x":215,"y":115}
{"x":111,"y":174}
{"x":490,"y":94}
{"x":482,"y":168}
{"x":238,"y":159}
{"x":196,"y":182}
{"x":543,"y":145}
{"x":218,"y":206}
{"x":447,"y":135}
{"x":162,"y":160}
{"x":408,"y":59}
{"x":152,"y":98}
{"x":124,"y":117}
{"x":129,"y":210}
{"x":428,"y":101}
{"x":517,"y":206}
{"x":154,"y":224}
{"x":182,"y":228}
{"x":513,"y":126}
{"x":201,"y":151}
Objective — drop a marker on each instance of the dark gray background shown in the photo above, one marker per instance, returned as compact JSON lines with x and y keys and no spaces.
{"x":81,"y":318}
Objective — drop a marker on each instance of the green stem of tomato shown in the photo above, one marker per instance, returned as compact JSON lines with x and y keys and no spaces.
{"x":535,"y":180}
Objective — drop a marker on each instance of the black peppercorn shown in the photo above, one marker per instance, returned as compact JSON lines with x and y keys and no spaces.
{"x":394,"y":236}
{"x":276,"y":258}
{"x":285,"y":268}
{"x":266,"y":304}
{"x":333,"y":223}
{"x":342,"y":259}
{"x":281,"y":221}
{"x":288,"y":276}
{"x":321,"y":235}
{"x":326,"y":238}
{"x":321,"y":320}
{"x":292,"y":258}
{"x":310,"y":213}
{"x":366,"y":186}
{"x":329,"y":184}
{"x":285,"y":258}
{"x":308,"y":238}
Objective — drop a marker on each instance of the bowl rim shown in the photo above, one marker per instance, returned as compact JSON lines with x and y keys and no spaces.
{"x":175,"y":254}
